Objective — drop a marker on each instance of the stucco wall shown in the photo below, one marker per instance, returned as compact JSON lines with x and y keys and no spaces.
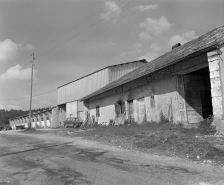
{"x":61,"y":113}
{"x":166,"y":87}
{"x":163,"y":89}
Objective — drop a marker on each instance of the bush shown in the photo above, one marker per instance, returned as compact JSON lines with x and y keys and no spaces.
{"x":205,"y":127}
{"x":163,"y":119}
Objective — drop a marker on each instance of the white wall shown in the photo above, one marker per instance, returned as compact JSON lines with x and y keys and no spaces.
{"x":165,"y":95}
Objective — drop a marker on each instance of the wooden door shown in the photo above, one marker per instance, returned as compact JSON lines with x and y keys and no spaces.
{"x":193,"y":86}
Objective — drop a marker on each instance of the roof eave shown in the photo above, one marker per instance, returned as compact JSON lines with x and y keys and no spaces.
{"x":209,"y":48}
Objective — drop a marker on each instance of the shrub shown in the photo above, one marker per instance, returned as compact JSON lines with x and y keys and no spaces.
{"x":205,"y":127}
{"x":163,"y":119}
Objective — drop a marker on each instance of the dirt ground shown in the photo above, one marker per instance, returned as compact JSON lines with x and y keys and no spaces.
{"x":165,"y":139}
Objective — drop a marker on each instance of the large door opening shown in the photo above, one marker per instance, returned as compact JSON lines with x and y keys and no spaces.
{"x":198,"y":95}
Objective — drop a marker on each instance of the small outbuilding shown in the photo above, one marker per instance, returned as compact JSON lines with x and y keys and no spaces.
{"x":185,"y":85}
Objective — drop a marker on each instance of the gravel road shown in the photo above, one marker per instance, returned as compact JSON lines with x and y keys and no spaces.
{"x":27,"y":159}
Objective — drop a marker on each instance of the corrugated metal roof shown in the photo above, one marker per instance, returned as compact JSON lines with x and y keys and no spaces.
{"x":143,"y":60}
{"x":212,"y":38}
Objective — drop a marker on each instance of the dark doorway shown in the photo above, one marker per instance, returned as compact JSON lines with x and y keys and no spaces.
{"x":198,"y":95}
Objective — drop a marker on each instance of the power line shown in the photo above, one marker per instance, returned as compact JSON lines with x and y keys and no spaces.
{"x":78,"y":43}
{"x":22,"y":98}
{"x":78,"y":24}
{"x":94,"y":34}
{"x":74,"y":27}
{"x":85,"y":29}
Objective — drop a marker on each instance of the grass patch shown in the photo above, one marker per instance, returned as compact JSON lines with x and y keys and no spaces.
{"x":163,"y":139}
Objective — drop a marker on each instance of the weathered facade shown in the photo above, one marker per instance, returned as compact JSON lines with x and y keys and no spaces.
{"x":43,"y":119}
{"x":185,"y":86}
{"x":69,"y":94}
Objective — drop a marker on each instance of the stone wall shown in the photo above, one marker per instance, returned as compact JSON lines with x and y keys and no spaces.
{"x":216,"y":68}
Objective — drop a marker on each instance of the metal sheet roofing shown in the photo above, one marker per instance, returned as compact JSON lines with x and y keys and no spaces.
{"x":210,"y":39}
{"x":143,"y":60}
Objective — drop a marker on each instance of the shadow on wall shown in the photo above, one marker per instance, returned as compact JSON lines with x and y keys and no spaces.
{"x":198,"y":94}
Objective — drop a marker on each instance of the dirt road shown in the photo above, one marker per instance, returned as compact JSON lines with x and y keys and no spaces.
{"x":42,"y":159}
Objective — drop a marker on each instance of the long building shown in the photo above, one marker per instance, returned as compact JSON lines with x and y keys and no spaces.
{"x":41,"y":119}
{"x":69,"y":94}
{"x":185,"y":85}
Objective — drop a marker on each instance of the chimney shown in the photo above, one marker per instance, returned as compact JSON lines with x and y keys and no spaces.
{"x":176,"y":45}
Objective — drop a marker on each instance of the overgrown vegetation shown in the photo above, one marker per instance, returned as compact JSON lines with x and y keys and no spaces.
{"x":205,"y":127}
{"x":163,"y":139}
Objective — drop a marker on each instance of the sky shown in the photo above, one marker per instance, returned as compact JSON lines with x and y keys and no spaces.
{"x":72,"y":38}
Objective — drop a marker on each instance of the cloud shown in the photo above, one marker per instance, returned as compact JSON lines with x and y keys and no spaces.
{"x":137,"y":49}
{"x":17,"y":73}
{"x":9,"y":50}
{"x":145,"y":36}
{"x":28,"y":47}
{"x":146,"y":7}
{"x":110,"y":43}
{"x":39,"y":103}
{"x":155,"y":27}
{"x":111,"y":7}
{"x":24,"y":104}
{"x":183,"y":38}
{"x":152,"y":54}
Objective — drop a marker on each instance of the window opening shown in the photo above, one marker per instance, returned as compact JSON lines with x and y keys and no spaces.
{"x":152,"y":102}
{"x":120,"y":107}
{"x":97,"y":111}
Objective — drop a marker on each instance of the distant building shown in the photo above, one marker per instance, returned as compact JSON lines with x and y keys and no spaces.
{"x":41,"y":119}
{"x":184,"y":85}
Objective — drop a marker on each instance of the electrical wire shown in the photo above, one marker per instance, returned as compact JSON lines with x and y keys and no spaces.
{"x":78,"y":24}
{"x":22,"y":98}
{"x":85,"y":29}
{"x":75,"y":26}
{"x":75,"y":44}
{"x":94,"y":34}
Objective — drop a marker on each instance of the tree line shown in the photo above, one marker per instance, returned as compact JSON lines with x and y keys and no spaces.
{"x":5,"y":115}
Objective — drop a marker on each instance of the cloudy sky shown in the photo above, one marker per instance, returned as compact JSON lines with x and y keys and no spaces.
{"x":72,"y":38}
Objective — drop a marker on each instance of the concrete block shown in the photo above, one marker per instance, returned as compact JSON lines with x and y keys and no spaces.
{"x":215,"y":82}
{"x":212,"y":53}
{"x":214,"y":66}
{"x":219,"y":124}
{"x":216,"y":91}
{"x":213,"y":58}
{"x":214,"y":74}
{"x":217,"y":107}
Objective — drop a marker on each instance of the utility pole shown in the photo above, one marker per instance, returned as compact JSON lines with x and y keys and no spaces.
{"x":30,"y":113}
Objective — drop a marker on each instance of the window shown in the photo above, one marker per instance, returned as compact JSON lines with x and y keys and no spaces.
{"x":152,"y":101}
{"x":120,"y":107}
{"x":97,"y":111}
